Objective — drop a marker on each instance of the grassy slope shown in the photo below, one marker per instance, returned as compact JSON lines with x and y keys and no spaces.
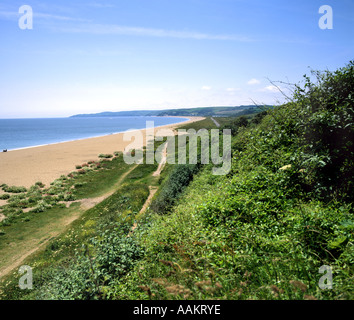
{"x":265,"y":230}
{"x":28,"y":230}
{"x":261,"y":232}
{"x":249,"y":235}
{"x":202,"y":112}
{"x":23,"y":229}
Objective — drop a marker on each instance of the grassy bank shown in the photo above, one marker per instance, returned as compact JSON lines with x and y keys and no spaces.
{"x":52,"y":236}
{"x":279,"y":225}
{"x":268,"y":228}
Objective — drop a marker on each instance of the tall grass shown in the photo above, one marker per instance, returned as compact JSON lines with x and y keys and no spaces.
{"x":263,"y":231}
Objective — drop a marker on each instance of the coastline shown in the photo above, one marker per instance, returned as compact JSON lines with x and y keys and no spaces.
{"x":102,"y":135}
{"x":45,"y":163}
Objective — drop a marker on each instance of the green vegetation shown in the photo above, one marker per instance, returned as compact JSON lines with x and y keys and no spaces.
{"x":178,"y":179}
{"x":13,"y":189}
{"x":63,"y":255}
{"x":73,"y":264}
{"x":4,"y":196}
{"x":106,"y":156}
{"x":212,"y":111}
{"x":77,"y":185}
{"x":262,"y":231}
{"x":142,"y":173}
{"x":207,"y":123}
{"x":187,"y":112}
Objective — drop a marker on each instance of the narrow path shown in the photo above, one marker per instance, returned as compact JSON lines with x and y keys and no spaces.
{"x":162,"y":162}
{"x":33,"y":245}
{"x":148,"y":200}
{"x":152,"y":189}
{"x":88,"y":203}
{"x":216,"y":123}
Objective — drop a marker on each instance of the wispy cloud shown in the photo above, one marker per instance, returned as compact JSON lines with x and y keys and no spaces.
{"x":57,"y":17}
{"x":148,"y":32}
{"x":270,"y":88}
{"x":253,"y":81}
{"x":8,"y":14}
{"x":12,"y":15}
{"x":206,"y":88}
{"x":85,"y":26}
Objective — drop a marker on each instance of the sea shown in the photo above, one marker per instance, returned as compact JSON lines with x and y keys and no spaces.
{"x":25,"y":133}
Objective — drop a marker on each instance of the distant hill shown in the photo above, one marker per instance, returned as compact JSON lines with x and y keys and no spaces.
{"x":200,"y":112}
{"x":117,"y":114}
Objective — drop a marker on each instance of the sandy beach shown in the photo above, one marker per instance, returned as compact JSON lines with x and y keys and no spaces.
{"x":24,"y":167}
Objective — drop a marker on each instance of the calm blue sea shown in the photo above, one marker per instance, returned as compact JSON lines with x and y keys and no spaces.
{"x":23,"y":133}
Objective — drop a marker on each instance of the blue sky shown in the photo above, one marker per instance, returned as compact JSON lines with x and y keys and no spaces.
{"x":92,"y":56}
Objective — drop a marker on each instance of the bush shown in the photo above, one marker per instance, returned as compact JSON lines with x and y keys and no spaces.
{"x":106,"y":156}
{"x":39,"y":184}
{"x":4,"y":196}
{"x":179,"y":178}
{"x":41,"y":206}
{"x":104,"y":260}
{"x":14,"y":189}
{"x":236,"y":124}
{"x":325,"y":121}
{"x":79,"y":184}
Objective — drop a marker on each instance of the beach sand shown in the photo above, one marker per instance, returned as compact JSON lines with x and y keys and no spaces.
{"x":24,"y":167}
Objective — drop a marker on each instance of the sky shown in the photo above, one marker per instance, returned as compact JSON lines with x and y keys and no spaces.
{"x":88,"y":56}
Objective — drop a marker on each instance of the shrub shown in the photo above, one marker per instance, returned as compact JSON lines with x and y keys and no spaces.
{"x":39,"y":184}
{"x":79,"y":184}
{"x":88,"y":169}
{"x":105,"y":260}
{"x":179,"y":178}
{"x":69,"y":196}
{"x":41,"y":206}
{"x":107,"y":156}
{"x":325,"y":122}
{"x":14,"y":189}
{"x":236,"y":124}
{"x":4,"y":196}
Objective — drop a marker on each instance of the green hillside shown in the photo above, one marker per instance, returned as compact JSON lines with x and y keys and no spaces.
{"x":278,"y":226}
{"x":269,"y":228}
{"x":200,"y":112}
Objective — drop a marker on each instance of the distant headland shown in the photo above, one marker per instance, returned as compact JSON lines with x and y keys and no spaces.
{"x":186,"y":112}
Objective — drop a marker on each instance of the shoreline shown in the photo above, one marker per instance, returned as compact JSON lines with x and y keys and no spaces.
{"x":104,"y":135}
{"x":45,"y":163}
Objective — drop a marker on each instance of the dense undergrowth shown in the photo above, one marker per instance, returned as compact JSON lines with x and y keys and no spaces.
{"x":263,"y":231}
